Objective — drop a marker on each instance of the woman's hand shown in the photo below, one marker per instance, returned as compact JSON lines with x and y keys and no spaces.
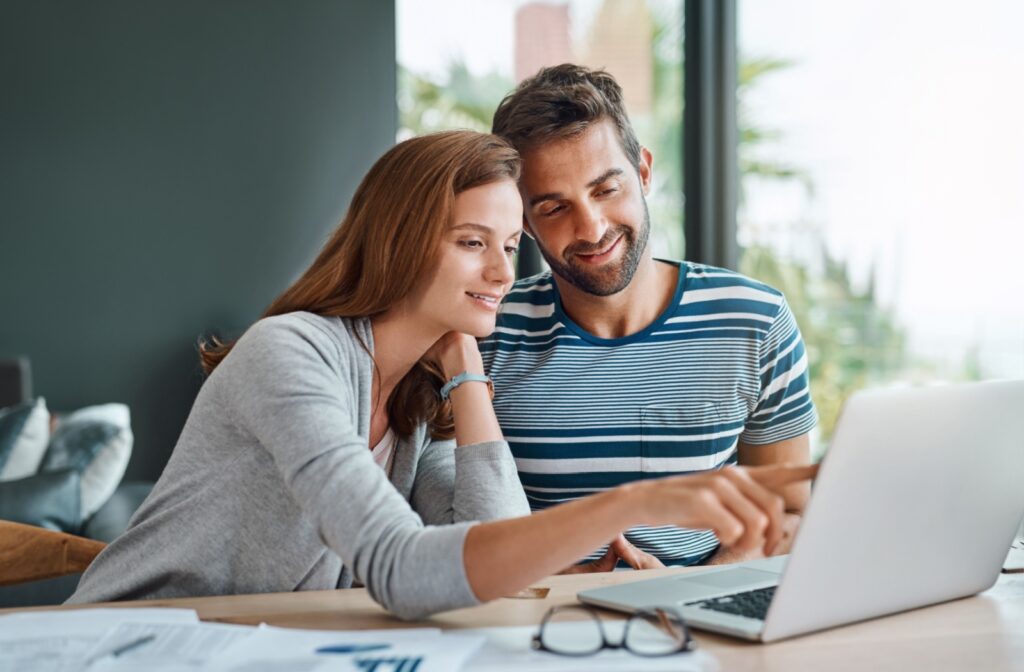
{"x":742,"y":505}
{"x":727,"y":556}
{"x":456,"y":352}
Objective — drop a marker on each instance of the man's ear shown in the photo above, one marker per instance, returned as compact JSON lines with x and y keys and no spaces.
{"x":526,"y":228}
{"x":646,"y":170}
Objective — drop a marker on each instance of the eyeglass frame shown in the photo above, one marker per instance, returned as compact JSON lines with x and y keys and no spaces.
{"x":688,"y":644}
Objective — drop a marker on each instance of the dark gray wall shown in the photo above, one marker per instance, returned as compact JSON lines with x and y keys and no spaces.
{"x":166,"y":169}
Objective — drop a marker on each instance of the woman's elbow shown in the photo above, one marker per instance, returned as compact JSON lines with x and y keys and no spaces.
{"x":404,"y":608}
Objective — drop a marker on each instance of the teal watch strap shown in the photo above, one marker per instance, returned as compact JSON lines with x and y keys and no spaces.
{"x":464,"y":377}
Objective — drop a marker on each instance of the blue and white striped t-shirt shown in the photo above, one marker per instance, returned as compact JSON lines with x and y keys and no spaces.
{"x":724,"y":363}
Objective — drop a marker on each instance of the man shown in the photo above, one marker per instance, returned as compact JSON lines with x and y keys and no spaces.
{"x":615,"y":366}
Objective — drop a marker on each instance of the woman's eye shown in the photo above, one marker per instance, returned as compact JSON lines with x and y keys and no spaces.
{"x":471,"y":243}
{"x":511,"y":250}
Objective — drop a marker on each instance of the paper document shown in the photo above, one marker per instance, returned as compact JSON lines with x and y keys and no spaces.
{"x":163,"y":646}
{"x":270,"y":649}
{"x":173,"y":640}
{"x":58,"y":641}
{"x":509,"y":649}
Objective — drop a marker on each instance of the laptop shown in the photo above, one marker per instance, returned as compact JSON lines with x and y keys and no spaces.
{"x":916,"y":503}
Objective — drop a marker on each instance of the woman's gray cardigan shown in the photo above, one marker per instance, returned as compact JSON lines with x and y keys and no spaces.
{"x":272,"y":487}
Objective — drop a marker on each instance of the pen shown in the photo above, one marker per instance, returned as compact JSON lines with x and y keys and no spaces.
{"x":123,"y":648}
{"x":352,"y":648}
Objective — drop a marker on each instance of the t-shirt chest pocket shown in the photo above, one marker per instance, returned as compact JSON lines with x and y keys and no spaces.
{"x":683,"y":437}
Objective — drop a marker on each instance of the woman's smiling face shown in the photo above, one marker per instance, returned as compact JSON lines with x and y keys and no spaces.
{"x":475,"y":261}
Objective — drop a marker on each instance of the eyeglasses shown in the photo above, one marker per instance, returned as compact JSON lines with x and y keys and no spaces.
{"x":576,"y":630}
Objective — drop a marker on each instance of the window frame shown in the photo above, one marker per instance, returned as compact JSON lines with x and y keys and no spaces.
{"x":710,"y":136}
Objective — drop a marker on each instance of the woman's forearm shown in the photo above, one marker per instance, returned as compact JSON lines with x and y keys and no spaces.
{"x":743,"y":507}
{"x":473,"y":413}
{"x":504,"y":556}
{"x":475,"y":421}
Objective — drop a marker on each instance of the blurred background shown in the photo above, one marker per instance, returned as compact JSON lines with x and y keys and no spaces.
{"x":167,"y":168}
{"x":879,"y":156}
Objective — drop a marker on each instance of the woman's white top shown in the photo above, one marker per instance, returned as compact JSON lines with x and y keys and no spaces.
{"x":383,"y":451}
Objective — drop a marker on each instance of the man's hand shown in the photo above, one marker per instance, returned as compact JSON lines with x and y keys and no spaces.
{"x":619,"y":549}
{"x":728,"y":556}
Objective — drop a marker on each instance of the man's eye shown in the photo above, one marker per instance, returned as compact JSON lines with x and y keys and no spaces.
{"x":605,"y":192}
{"x":510,"y":250}
{"x":553,"y":211}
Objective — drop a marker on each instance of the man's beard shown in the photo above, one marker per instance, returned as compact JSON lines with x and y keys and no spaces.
{"x":603,"y":281}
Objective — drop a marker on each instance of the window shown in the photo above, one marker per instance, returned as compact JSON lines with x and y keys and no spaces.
{"x":490,"y":46}
{"x":881,"y":162}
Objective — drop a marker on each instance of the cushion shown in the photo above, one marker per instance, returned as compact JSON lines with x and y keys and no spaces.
{"x":24,"y":431}
{"x":97,"y":443}
{"x":49,"y":499}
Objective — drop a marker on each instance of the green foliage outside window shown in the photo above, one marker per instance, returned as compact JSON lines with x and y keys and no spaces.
{"x":851,"y":340}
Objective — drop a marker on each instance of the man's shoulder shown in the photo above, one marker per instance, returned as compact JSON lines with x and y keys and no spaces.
{"x":703,"y":276}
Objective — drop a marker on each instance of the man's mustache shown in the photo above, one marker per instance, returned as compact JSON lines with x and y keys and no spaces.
{"x":591,"y":248}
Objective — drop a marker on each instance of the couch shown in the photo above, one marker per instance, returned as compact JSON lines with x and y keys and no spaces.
{"x":108,"y":522}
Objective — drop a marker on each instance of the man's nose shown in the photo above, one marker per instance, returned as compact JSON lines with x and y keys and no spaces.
{"x":591,"y":224}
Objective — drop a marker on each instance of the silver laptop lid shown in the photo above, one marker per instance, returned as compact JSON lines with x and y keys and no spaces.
{"x":916,"y":503}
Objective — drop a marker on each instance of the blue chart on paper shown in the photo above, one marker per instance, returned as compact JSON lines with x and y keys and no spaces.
{"x":392,"y":664}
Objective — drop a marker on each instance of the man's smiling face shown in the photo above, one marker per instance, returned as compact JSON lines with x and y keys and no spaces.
{"x":584,"y":204}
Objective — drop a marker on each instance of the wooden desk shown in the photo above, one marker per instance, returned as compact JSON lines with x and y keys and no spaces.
{"x":979,"y":633}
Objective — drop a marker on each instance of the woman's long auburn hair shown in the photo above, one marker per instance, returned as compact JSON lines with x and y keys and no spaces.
{"x":387,"y":241}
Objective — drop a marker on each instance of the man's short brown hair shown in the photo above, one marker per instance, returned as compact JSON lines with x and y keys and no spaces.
{"x":562,"y":102}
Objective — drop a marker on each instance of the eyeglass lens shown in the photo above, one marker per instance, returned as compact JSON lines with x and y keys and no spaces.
{"x":572,"y":631}
{"x":655,"y":633}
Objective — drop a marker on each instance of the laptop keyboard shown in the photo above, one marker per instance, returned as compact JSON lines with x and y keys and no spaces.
{"x":752,"y":603}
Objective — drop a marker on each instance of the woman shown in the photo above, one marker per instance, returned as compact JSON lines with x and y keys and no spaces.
{"x":318,"y":451}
